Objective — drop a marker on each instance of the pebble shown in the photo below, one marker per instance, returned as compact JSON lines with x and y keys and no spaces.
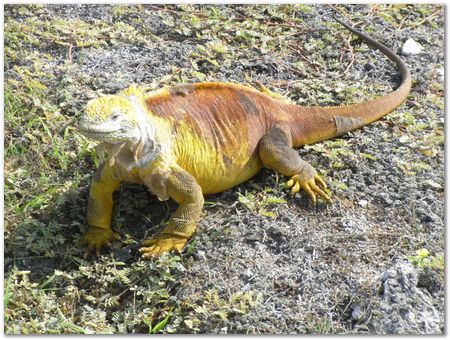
{"x":411,"y":47}
{"x":385,"y":198}
{"x":357,"y":313}
{"x":440,"y":74}
{"x":363,"y":203}
{"x":432,"y":184}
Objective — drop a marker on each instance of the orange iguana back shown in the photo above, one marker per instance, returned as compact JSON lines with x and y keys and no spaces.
{"x":193,"y":139}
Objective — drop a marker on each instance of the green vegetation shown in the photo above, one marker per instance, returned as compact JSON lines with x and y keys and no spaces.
{"x":216,"y":311}
{"x":423,"y":259}
{"x":261,"y":202}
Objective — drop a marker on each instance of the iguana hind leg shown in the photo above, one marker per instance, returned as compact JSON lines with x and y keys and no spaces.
{"x":276,"y":152}
{"x":183,"y":188}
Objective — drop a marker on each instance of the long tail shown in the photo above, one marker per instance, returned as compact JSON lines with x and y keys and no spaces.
{"x":320,"y":123}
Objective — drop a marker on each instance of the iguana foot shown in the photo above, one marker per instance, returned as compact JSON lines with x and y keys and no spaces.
{"x":96,"y":238}
{"x":313,"y":186}
{"x":161,"y":244}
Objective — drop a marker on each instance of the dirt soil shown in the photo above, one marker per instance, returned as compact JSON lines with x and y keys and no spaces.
{"x":261,"y":262}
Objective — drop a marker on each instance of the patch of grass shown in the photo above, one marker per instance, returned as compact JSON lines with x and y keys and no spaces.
{"x":324,"y":326}
{"x":63,"y":304}
{"x":160,"y":325}
{"x":38,"y":157}
{"x":336,"y":150}
{"x":216,"y":310}
{"x":261,"y":203}
{"x":423,"y":259}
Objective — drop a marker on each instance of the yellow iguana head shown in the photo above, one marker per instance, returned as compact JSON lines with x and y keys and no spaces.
{"x":121,"y":121}
{"x":110,"y":119}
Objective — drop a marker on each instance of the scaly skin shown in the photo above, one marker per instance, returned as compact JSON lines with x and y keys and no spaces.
{"x":189,"y":140}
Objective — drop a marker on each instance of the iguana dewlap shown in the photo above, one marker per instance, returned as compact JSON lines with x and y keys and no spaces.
{"x":189,"y":140}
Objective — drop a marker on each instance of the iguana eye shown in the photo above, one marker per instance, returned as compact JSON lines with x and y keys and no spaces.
{"x":115,"y":116}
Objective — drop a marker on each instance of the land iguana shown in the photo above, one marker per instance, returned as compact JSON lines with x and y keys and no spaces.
{"x":185,"y":141}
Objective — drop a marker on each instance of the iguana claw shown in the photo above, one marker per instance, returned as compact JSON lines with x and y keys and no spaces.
{"x":311,"y":186}
{"x":162,"y":244}
{"x":96,"y":238}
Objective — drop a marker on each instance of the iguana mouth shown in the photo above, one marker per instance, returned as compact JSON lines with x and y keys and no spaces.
{"x":99,"y":135}
{"x":97,"y":132}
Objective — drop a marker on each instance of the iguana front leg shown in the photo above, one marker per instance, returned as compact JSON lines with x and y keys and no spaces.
{"x":275,"y":151}
{"x":99,"y":210}
{"x":183,"y":188}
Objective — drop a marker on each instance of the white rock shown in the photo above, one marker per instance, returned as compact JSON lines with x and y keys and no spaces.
{"x":440,"y":74}
{"x":362,"y":203}
{"x":357,"y":313}
{"x":411,"y":47}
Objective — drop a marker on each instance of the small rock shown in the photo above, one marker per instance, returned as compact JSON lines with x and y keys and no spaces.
{"x":428,"y":216}
{"x":404,"y":139}
{"x":384,"y":197}
{"x":411,"y":47}
{"x":404,"y":308}
{"x":349,"y":225}
{"x":357,"y":313}
{"x":440,"y":74}
{"x":431,"y":184}
{"x":363,"y":203}
{"x":369,"y":66}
